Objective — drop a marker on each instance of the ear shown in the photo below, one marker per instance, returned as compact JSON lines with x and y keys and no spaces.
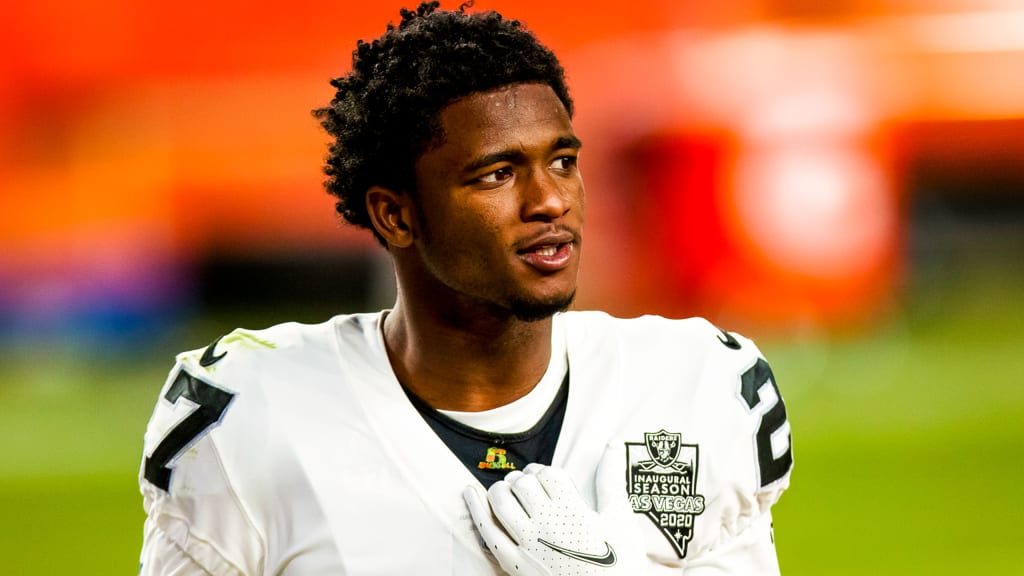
{"x":391,"y":213}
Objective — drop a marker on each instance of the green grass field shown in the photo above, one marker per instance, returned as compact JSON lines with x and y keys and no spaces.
{"x":908,"y":446}
{"x":908,"y":443}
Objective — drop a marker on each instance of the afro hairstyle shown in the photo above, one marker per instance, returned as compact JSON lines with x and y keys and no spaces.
{"x":385,"y":112}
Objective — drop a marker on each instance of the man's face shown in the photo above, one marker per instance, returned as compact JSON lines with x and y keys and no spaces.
{"x":500,"y":201}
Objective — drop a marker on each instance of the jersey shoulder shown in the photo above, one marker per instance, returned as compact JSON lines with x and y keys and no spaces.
{"x":655,"y":341}
{"x":203,"y":492}
{"x":242,"y":347}
{"x":245,"y":358}
{"x":228,"y":389}
{"x":708,"y":447}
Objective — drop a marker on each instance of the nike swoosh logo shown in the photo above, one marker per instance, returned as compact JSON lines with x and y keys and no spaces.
{"x":729,"y":340}
{"x":606,"y":559}
{"x":208,"y":359}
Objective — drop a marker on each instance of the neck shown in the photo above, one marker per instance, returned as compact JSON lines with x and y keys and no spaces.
{"x":464,"y":359}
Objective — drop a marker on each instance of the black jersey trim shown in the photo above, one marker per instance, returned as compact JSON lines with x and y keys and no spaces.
{"x":557,"y":409}
{"x":489,"y":456}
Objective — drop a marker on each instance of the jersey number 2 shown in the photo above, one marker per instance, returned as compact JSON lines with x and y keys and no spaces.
{"x":211,"y":401}
{"x":773,"y":421}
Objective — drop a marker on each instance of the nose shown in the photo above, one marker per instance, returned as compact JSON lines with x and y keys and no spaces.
{"x":547,"y":197}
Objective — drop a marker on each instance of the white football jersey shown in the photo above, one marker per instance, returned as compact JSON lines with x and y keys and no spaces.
{"x":295,"y":451}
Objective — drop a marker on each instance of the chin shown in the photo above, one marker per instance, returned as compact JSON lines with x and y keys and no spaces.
{"x":534,"y":310}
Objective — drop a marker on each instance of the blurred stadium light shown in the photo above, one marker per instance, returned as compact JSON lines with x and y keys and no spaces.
{"x":757,"y":174}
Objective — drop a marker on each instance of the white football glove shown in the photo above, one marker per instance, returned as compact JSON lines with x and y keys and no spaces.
{"x":546,"y":529}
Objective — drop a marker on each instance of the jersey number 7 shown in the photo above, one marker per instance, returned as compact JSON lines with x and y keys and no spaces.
{"x":211,"y":404}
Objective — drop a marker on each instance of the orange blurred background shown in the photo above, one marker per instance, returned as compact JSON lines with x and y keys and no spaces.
{"x":776,"y":163}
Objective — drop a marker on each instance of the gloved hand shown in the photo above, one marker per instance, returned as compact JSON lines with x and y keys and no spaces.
{"x":546,"y":528}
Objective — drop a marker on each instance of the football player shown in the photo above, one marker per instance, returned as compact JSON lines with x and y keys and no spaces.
{"x":476,"y":427}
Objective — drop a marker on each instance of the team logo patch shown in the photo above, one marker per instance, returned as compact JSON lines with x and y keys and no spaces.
{"x":662,"y":483}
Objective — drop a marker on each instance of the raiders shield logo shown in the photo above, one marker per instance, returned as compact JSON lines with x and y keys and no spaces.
{"x":662,"y":482}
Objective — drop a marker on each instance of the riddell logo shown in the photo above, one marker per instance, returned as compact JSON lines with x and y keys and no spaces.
{"x":496,"y":460}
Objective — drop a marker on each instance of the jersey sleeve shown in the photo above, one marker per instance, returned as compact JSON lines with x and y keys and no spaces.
{"x":752,"y":551}
{"x":195,"y":524}
{"x":751,"y":465}
{"x":708,"y":447}
{"x":162,"y":556}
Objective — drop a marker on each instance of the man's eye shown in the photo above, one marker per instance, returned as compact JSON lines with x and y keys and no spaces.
{"x":499,"y":175}
{"x":564,"y":163}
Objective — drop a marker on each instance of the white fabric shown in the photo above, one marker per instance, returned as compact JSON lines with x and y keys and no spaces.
{"x":321,"y":465}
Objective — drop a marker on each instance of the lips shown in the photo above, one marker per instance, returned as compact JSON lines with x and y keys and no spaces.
{"x":549,"y":252}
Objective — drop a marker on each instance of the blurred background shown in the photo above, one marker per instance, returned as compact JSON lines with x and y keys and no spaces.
{"x":842,"y":181}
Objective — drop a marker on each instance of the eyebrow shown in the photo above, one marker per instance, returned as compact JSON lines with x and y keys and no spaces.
{"x":517,"y":155}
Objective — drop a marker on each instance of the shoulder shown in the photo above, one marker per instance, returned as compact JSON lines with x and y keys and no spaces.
{"x":604,"y":322}
{"x":219,"y":404}
{"x":655,"y":339}
{"x":243,"y":355}
{"x":244,"y":345}
{"x":216,"y":399}
{"x":710,"y":397}
{"x":224,"y":393}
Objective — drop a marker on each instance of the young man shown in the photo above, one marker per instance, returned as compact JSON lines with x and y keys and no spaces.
{"x":363,"y":445}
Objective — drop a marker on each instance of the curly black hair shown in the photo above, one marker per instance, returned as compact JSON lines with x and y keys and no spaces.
{"x":385,"y":112}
